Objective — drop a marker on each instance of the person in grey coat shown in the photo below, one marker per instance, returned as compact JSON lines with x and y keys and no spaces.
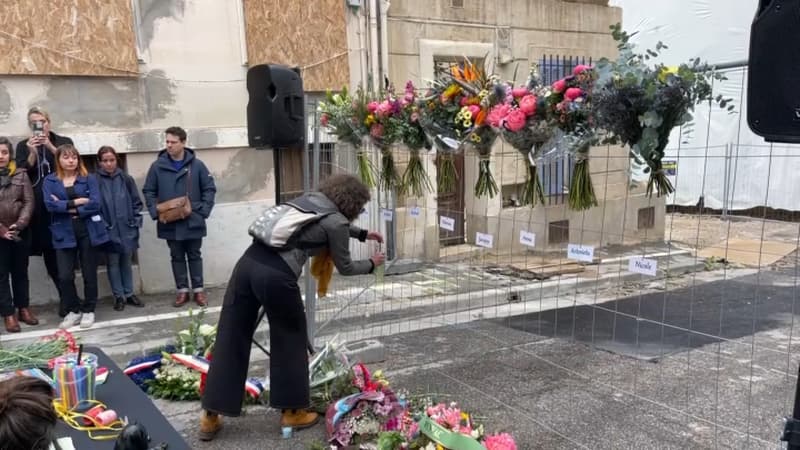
{"x":178,"y":172}
{"x":122,"y":210}
{"x":266,"y":277}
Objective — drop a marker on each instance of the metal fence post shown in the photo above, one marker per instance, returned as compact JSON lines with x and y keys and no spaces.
{"x":311,"y":288}
{"x":726,"y":180}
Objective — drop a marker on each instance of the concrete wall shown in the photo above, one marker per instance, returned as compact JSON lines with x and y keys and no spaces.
{"x":193,"y":63}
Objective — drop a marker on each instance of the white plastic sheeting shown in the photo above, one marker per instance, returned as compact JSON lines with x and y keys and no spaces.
{"x":722,"y":160}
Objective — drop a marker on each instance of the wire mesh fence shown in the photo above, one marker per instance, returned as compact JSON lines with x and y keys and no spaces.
{"x":644,"y":322}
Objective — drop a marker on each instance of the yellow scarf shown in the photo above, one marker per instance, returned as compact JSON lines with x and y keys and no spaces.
{"x":322,"y":270}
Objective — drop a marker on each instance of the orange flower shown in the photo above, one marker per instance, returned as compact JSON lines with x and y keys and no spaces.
{"x":480,"y":118}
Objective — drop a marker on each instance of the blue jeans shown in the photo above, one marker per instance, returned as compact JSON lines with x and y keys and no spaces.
{"x":120,"y":274}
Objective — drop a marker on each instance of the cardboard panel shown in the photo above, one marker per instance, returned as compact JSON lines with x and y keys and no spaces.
{"x":310,"y":34}
{"x":67,"y":37}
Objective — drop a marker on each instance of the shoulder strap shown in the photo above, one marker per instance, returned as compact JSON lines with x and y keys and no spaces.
{"x":189,"y":180}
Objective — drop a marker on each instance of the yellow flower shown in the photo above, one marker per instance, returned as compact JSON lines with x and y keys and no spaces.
{"x":475,"y":138}
{"x":439,"y":447}
{"x":666,"y":71}
{"x":370,"y":120}
{"x":467,"y":123}
{"x":483,"y":94}
{"x":451,"y":91}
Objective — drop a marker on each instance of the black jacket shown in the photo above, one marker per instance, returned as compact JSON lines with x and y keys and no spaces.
{"x":41,"y":238}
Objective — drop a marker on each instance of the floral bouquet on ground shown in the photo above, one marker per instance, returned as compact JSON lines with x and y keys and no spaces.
{"x":446,"y":427}
{"x":330,"y":376}
{"x":361,"y":417}
{"x":568,"y":107}
{"x":415,"y":180}
{"x":345,"y":116}
{"x":520,"y":115}
{"x":639,"y":105}
{"x":454,"y":113}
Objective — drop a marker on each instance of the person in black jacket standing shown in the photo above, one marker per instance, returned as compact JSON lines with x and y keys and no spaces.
{"x":177,"y":173}
{"x":36,"y":155}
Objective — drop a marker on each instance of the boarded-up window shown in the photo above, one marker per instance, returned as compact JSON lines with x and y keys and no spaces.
{"x":306,"y":34}
{"x":67,"y":37}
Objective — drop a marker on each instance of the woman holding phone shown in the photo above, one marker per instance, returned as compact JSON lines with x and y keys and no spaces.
{"x":72,"y":197}
{"x":36,"y":155}
{"x":16,"y":209}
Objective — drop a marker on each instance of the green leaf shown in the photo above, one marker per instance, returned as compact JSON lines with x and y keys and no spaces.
{"x":651,"y":119}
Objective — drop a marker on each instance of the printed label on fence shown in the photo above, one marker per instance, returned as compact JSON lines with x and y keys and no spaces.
{"x":415,"y":211}
{"x":580,"y":252}
{"x":484,"y":240}
{"x":643,"y":266}
{"x":387,"y":214}
{"x":527,"y":238}
{"x":447,"y":223}
{"x":670,"y":167}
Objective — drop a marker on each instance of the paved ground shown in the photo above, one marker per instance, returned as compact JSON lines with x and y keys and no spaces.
{"x":693,"y":358}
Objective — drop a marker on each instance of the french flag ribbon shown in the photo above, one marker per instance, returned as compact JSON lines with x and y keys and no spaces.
{"x":200,"y":364}
{"x":147,"y":363}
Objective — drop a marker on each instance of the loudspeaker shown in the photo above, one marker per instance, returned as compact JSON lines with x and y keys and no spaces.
{"x":275,"y":110}
{"x":773,"y":97}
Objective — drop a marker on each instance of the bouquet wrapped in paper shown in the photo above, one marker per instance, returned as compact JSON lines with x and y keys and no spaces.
{"x":568,"y":108}
{"x":520,"y":116}
{"x":454,"y":114}
{"x":345,"y":116}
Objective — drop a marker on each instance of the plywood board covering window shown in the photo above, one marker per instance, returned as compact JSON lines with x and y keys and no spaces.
{"x":306,"y":34}
{"x":67,"y":37}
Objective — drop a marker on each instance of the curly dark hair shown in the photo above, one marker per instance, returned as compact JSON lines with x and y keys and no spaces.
{"x":27,"y":417}
{"x":347,"y":192}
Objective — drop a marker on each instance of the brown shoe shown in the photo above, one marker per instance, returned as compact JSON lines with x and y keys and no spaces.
{"x":210,"y":424}
{"x":181,"y":299}
{"x":27,"y":317}
{"x":12,"y":326}
{"x":201,"y":299}
{"x":298,"y":418}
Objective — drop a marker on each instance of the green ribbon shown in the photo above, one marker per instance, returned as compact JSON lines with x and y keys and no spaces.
{"x":447,"y":438}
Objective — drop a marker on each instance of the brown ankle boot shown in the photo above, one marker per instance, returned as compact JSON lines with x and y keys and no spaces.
{"x":210,"y":424}
{"x":298,"y":418}
{"x":12,"y":326}
{"x":27,"y":317}
{"x":181,"y":299}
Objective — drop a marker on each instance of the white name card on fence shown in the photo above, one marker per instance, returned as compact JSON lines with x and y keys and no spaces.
{"x":447,"y":223}
{"x":415,"y":211}
{"x":580,"y":252}
{"x":484,"y":240}
{"x":643,"y":266}
{"x":527,"y":238}
{"x":387,"y":214}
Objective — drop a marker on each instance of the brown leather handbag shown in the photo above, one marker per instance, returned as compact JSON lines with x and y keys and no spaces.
{"x":177,"y":208}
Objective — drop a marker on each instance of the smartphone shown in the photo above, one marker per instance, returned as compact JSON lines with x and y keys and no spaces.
{"x":38,"y":128}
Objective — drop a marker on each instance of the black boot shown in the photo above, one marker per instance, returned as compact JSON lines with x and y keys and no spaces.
{"x":119,"y":304}
{"x":134,"y":300}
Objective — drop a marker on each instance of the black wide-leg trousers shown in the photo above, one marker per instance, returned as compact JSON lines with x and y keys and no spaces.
{"x":260,"y":278}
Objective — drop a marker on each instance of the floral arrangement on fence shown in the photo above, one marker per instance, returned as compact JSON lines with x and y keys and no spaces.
{"x":37,"y":354}
{"x":520,"y":116}
{"x":385,"y":122}
{"x":346,"y":117}
{"x":454,"y":112}
{"x":568,"y":107}
{"x":415,"y":180}
{"x":640,"y":105}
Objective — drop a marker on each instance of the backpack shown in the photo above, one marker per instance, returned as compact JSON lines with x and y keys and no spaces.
{"x":279,"y":225}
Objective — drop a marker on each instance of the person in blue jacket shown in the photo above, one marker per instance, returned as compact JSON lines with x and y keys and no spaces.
{"x":178,"y":172}
{"x":72,"y":197}
{"x":122,"y":210}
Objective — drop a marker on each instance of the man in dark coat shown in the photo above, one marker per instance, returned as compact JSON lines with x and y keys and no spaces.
{"x":37,"y":156}
{"x":178,"y":172}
